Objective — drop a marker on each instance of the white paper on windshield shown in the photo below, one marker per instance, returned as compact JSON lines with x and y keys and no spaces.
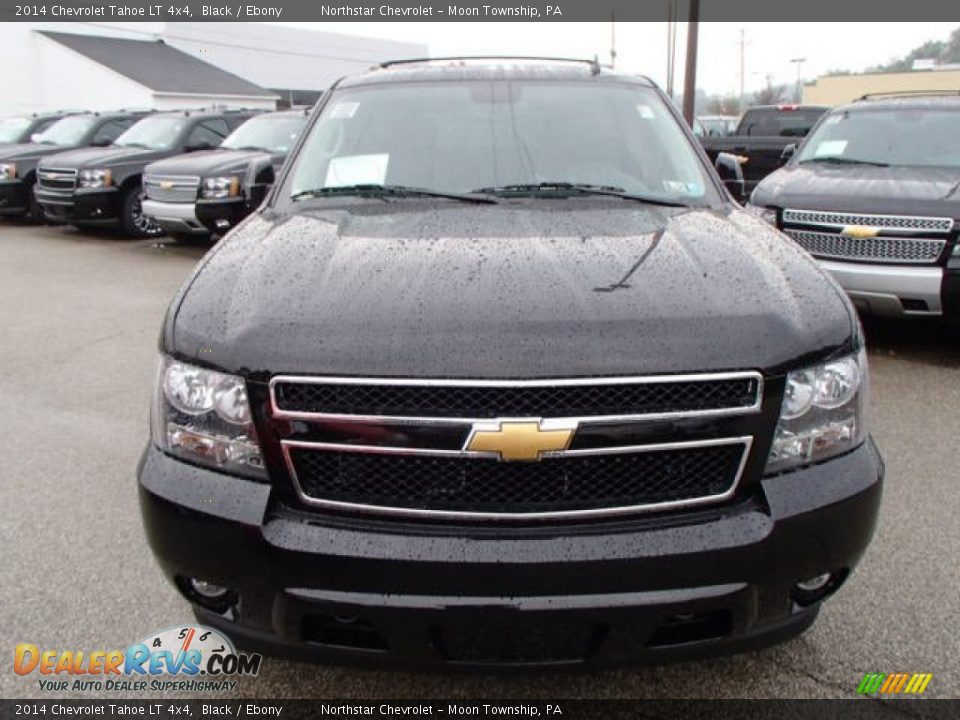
{"x":344,"y":110}
{"x":831,"y":148}
{"x":357,"y":170}
{"x":645,"y":112}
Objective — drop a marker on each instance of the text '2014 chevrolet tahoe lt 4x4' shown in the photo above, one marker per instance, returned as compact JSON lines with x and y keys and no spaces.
{"x":874,"y":194}
{"x":499,"y":374}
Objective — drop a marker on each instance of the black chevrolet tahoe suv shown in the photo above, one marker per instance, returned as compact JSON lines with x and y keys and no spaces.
{"x":874,"y":194}
{"x":500,"y":375}
{"x":18,"y":163}
{"x":19,"y":129}
{"x":102,"y":186}
{"x":209,"y":192}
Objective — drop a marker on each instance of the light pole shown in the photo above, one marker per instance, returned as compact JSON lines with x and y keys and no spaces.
{"x":799,"y":62}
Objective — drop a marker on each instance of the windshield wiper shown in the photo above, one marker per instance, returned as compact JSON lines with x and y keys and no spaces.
{"x":375,"y":190}
{"x":837,"y":160}
{"x":552,"y":188}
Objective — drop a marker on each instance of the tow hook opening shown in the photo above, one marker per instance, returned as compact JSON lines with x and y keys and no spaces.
{"x":691,"y":627}
{"x":345,"y":631}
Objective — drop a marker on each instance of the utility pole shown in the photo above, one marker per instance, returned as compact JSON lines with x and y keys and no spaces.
{"x":690,"y":80}
{"x":613,"y":39}
{"x":799,"y":62}
{"x":671,"y":44}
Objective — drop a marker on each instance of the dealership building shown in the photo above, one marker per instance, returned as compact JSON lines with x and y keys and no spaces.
{"x":101,"y":66}
{"x":840,"y":89}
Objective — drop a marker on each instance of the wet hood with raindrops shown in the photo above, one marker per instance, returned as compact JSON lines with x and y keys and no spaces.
{"x":548,"y":288}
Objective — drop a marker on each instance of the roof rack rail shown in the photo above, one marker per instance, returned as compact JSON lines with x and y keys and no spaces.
{"x":594,"y":63}
{"x":908,"y":93}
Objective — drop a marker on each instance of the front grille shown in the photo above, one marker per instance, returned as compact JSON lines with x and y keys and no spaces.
{"x":892,"y":222}
{"x":171,"y":188}
{"x":493,"y":400}
{"x":876,"y":249}
{"x":627,"y":480}
{"x":56,"y":179}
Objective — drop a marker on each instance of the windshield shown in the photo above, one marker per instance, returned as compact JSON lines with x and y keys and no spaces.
{"x":786,"y":121}
{"x":12,"y":129}
{"x":155,"y":133}
{"x":274,"y":134}
{"x":482,"y":135}
{"x":67,"y":132}
{"x":927,"y":137}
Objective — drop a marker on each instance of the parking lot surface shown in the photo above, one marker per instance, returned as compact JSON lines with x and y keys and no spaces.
{"x":79,"y":318}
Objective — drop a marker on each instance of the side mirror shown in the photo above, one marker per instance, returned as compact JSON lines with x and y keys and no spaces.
{"x":788,"y":153}
{"x":200,"y":145}
{"x":730,"y":172}
{"x":101,"y":142}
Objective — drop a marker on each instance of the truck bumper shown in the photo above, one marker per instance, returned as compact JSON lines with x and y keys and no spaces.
{"x":897,"y":290}
{"x":14,"y":197}
{"x":174,"y":217}
{"x":94,"y":206}
{"x":647,"y":589}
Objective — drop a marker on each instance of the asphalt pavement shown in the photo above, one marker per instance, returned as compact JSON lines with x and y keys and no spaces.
{"x":79,"y":318}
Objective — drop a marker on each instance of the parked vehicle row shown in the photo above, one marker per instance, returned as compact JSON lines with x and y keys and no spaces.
{"x":88,"y":168}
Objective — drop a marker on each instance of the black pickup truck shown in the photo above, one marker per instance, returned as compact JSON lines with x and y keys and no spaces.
{"x":19,"y":129}
{"x":762,"y":135}
{"x":18,"y":163}
{"x":209,"y":192}
{"x":500,"y":374}
{"x":102,"y":186}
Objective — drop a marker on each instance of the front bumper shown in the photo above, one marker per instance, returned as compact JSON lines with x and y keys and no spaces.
{"x":646,"y":589}
{"x":899,"y":290}
{"x":220,"y":216}
{"x":14,"y":197}
{"x":83,"y":205}
{"x":174,"y":217}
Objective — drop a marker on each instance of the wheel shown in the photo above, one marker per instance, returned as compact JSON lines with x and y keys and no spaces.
{"x":134,"y":222}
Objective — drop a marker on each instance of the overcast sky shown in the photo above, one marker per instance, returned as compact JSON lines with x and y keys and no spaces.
{"x":642,"y":47}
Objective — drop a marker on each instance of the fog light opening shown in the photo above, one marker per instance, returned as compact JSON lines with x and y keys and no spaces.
{"x":208,"y":589}
{"x":816,"y":588}
{"x":210,"y":596}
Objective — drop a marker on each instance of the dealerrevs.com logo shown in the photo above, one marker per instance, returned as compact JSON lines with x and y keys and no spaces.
{"x":190,"y":658}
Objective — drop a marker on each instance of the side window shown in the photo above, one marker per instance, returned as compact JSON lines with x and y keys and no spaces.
{"x":110,"y":131}
{"x":208,"y":133}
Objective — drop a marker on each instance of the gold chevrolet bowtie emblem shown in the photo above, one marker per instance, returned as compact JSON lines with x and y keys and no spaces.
{"x":519,"y":440}
{"x":859,"y":231}
{"x":166,"y":184}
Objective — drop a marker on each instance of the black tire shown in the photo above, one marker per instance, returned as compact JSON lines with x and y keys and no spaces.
{"x":134,"y":223}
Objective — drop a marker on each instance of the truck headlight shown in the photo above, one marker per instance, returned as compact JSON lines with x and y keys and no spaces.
{"x":8,"y":171}
{"x":203,"y":416}
{"x":766,"y":214}
{"x":823,"y":413}
{"x":220,"y":187}
{"x":95,"y":178}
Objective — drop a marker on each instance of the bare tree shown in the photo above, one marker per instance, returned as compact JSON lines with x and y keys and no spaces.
{"x":719,"y":105}
{"x":770,"y":95}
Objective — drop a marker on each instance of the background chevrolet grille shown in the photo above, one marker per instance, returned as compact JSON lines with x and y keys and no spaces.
{"x":399,"y":447}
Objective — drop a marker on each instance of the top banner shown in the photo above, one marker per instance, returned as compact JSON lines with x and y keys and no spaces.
{"x":482,"y":11}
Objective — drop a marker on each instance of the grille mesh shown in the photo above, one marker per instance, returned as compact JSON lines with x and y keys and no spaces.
{"x":461,"y":401}
{"x":896,"y":222}
{"x":458,"y":484}
{"x":52,"y":179}
{"x":900,"y":250}
{"x":183,"y":188}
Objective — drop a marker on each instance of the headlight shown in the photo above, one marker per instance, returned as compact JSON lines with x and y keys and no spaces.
{"x":95,"y":178}
{"x":8,"y":171}
{"x":220,"y":187}
{"x":764,"y":213}
{"x":823,"y":413}
{"x":204,"y":416}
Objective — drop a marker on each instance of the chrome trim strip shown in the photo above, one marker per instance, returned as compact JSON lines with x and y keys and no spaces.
{"x":277,"y":412}
{"x":912,"y":223}
{"x":286,"y":445}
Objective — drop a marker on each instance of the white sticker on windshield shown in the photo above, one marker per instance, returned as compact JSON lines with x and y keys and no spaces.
{"x":645,"y":112}
{"x":357,"y":170}
{"x":679,"y":187}
{"x":344,"y":110}
{"x":830,"y":148}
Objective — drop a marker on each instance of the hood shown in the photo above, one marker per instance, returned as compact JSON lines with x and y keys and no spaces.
{"x":206,"y":163}
{"x":29,"y":151}
{"x":111,"y":156}
{"x":863,"y":189}
{"x":548,"y":289}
